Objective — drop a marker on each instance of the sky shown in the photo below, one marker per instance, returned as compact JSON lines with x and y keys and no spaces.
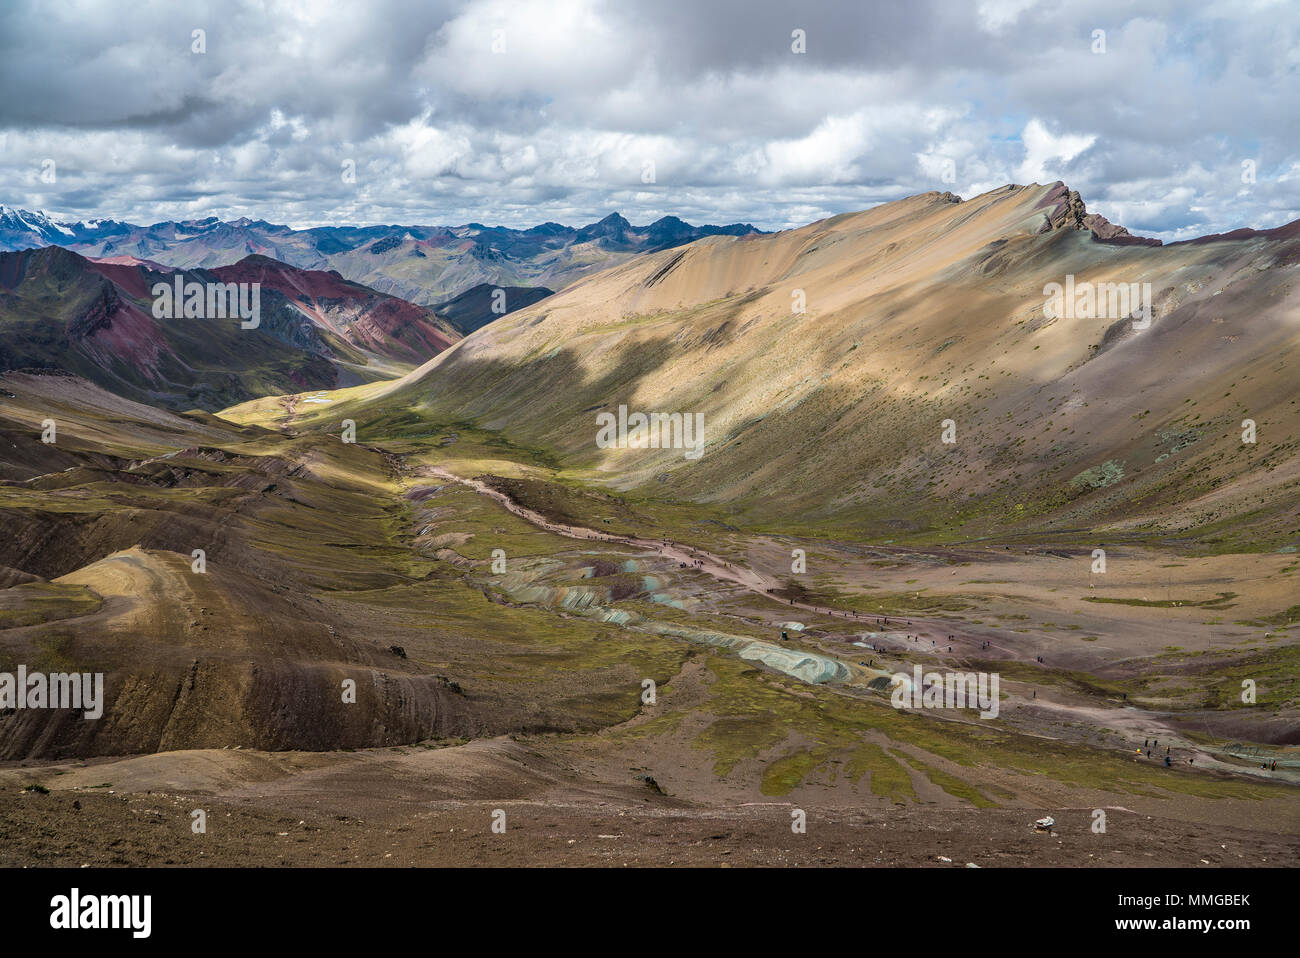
{"x":1175,"y":119}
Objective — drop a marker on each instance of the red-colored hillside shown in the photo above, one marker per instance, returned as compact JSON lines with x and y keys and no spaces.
{"x":369,"y":320}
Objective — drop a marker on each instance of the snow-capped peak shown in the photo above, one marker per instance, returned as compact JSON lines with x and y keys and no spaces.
{"x":37,"y":221}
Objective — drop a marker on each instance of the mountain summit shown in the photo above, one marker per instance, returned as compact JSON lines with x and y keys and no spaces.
{"x":422,"y":264}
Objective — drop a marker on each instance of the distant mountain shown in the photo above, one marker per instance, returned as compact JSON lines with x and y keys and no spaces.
{"x":422,"y":264}
{"x":62,"y":311}
{"x":385,"y":326}
{"x":21,"y":229}
{"x":473,"y":309}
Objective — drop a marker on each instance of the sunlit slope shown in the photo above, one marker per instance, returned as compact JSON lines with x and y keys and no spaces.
{"x":916,"y":312}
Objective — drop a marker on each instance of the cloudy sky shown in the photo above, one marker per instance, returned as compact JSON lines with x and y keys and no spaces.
{"x":515,"y":113}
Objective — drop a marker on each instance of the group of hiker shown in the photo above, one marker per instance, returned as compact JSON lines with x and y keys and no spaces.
{"x":1150,"y":744}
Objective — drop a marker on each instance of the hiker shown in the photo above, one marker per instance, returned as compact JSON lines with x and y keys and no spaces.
{"x":1167,"y":762}
{"x":1146,"y":742}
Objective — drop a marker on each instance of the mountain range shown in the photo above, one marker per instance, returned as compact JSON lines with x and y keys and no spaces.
{"x":426,"y":265}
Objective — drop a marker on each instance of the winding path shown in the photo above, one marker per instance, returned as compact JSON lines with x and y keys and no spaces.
{"x":710,"y":564}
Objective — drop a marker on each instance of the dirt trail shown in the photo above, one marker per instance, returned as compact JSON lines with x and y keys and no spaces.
{"x":698,"y":559}
{"x":724,"y":571}
{"x":941,"y":634}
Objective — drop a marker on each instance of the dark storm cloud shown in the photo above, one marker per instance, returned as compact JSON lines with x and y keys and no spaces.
{"x":522,"y":112}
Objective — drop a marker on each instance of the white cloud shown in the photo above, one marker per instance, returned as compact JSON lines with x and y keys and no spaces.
{"x":561,"y":124}
{"x":1045,"y":151}
{"x":426,"y":150}
{"x":997,"y":15}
